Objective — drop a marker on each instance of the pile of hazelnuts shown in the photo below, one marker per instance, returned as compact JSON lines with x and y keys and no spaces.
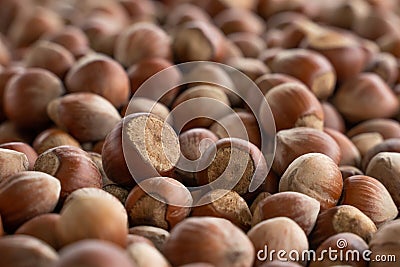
{"x":91,"y":163}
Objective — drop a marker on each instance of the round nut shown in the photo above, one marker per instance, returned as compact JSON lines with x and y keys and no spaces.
{"x":72,"y":38}
{"x":27,"y":95}
{"x":149,"y":142}
{"x":145,"y":255}
{"x":292,"y":105}
{"x":371,"y":197}
{"x":332,"y":118}
{"x":217,"y":241}
{"x":87,"y":205}
{"x":295,"y":142}
{"x":224,"y":204}
{"x":86,"y":116}
{"x":366,"y":141}
{"x":72,"y":166}
{"x":96,"y":253}
{"x":144,"y":209}
{"x":21,"y":250}
{"x":315,"y":175}
{"x":388,"y":145}
{"x":349,"y":152}
{"x":147,"y":39}
{"x":25,"y":195}
{"x":377,"y":94}
{"x":49,"y":56}
{"x":280,"y":233}
{"x":386,"y":127}
{"x":341,"y":219}
{"x":299,"y":207}
{"x":233,"y":20}
{"x":111,"y":80}
{"x":42,"y":227}
{"x":156,"y":235}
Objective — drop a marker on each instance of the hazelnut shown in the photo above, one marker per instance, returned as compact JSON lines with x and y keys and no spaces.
{"x":26,"y":97}
{"x":25,"y":195}
{"x":386,"y":127}
{"x":147,"y":38}
{"x":183,"y":13}
{"x":208,"y":239}
{"x":214,"y":75}
{"x":150,"y":144}
{"x":134,"y":239}
{"x":193,"y":144}
{"x":346,"y":54}
{"x":212,"y":104}
{"x":341,"y":219}
{"x":96,"y":253}
{"x":151,"y":203}
{"x":385,"y":65}
{"x":87,"y":205}
{"x":376,"y":94}
{"x":117,"y":191}
{"x":23,"y":148}
{"x":156,"y":235}
{"x":28,"y":28}
{"x":280,"y":233}
{"x":12,"y":162}
{"x":219,"y":203}
{"x":5,"y":75}
{"x":388,"y":145}
{"x":332,"y":118}
{"x":292,"y":105}
{"x":349,"y":150}
{"x":315,"y":175}
{"x":233,"y":162}
{"x":21,"y":250}
{"x":385,"y":167}
{"x":385,"y":242}
{"x":376,"y":23}
{"x":71,"y":38}
{"x":299,"y":207}
{"x":86,"y":116}
{"x":167,"y":76}
{"x":309,"y":67}
{"x":292,"y":143}
{"x":251,"y":67}
{"x":144,"y":255}
{"x":102,"y":32}
{"x":371,"y":197}
{"x":234,"y":20}
{"x":111,"y":81}
{"x":351,"y":243}
{"x":389,"y":43}
{"x":51,"y":138}
{"x":348,"y":171}
{"x":228,"y":127}
{"x":72,"y":166}
{"x":198,"y":41}
{"x":250,"y":44}
{"x":366,"y":141}
{"x":49,"y":56}
{"x":42,"y":227}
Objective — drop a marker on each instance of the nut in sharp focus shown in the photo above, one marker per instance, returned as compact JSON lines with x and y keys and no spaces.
{"x":315,"y":175}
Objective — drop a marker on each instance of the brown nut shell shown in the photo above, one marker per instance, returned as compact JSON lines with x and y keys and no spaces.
{"x":26,"y":195}
{"x":315,"y":175}
{"x":217,"y":241}
{"x":371,"y":197}
{"x":12,"y":162}
{"x":23,"y":148}
{"x":51,"y":138}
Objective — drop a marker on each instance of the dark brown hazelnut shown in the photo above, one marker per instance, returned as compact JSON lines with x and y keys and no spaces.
{"x":51,"y":138}
{"x":386,"y":127}
{"x":71,"y":38}
{"x":233,"y":20}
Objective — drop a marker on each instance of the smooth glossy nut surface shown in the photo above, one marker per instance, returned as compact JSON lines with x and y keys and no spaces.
{"x":315,"y":175}
{"x":217,"y":241}
{"x":26,"y":195}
